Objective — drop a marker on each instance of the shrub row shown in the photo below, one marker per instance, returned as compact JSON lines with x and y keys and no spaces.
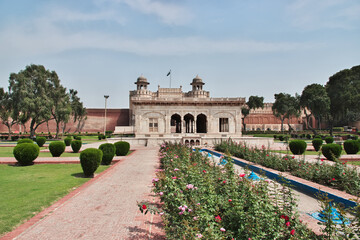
{"x":338,"y":175}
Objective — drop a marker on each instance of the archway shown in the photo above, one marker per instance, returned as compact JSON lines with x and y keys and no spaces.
{"x":189,"y":123}
{"x":192,"y":143}
{"x":187,"y":142}
{"x":197,"y":143}
{"x":201,"y":123}
{"x":175,"y":123}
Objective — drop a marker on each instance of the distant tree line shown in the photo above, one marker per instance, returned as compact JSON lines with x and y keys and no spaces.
{"x":337,"y":102}
{"x":35,"y":94}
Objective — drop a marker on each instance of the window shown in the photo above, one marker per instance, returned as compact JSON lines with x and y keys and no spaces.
{"x":223,"y":125}
{"x":153,"y":124}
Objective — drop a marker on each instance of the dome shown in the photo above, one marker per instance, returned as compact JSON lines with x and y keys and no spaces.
{"x":141,"y":80}
{"x":197,"y":80}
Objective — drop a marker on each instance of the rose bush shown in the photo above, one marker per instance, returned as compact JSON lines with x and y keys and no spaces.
{"x":201,"y":199}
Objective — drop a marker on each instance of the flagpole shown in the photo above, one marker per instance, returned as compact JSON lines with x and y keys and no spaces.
{"x":170,"y":78}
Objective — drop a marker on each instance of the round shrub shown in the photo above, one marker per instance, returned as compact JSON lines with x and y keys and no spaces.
{"x":317,"y":142}
{"x":77,"y":138}
{"x":108,"y":150}
{"x":26,"y":153}
{"x":308,"y":136}
{"x":297,"y":147}
{"x":25,"y":140}
{"x":329,"y":139}
{"x":275,"y":136}
{"x":90,"y":160}
{"x":56,"y":148}
{"x":281,"y":138}
{"x":331,"y":151}
{"x":121,"y":148}
{"x":76,"y":145}
{"x":40,"y":141}
{"x":351,"y":146}
{"x":67,"y":141}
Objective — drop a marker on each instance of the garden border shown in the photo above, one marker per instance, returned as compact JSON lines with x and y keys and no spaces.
{"x":302,"y":185}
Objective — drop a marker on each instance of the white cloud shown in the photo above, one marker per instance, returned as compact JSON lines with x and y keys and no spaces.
{"x":169,"y":13}
{"x":46,"y":38}
{"x":329,"y":14}
{"x":59,"y":14}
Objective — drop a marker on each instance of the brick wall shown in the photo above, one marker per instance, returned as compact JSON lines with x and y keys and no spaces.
{"x":93,"y":123}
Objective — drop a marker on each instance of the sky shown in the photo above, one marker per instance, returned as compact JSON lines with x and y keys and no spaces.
{"x":239,"y":48}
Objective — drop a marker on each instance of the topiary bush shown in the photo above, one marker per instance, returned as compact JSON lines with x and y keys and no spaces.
{"x":317,"y":142}
{"x":40,"y":141}
{"x":121,"y":148}
{"x":297,"y":147}
{"x":331,"y":151}
{"x":351,"y":146}
{"x":56,"y":148}
{"x":108,"y":150}
{"x":77,"y":138}
{"x":76,"y":145}
{"x":25,"y":140}
{"x":26,"y":153}
{"x":67,"y":141}
{"x":329,"y":139}
{"x":308,"y":136}
{"x":281,"y":138}
{"x":90,"y":160}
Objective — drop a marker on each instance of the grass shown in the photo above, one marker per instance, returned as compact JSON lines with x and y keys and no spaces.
{"x":26,"y":191}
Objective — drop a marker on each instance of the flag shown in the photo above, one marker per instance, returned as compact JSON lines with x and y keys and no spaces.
{"x":168,"y":73}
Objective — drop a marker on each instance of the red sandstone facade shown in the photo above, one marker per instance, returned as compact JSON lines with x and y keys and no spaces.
{"x":94,"y":122}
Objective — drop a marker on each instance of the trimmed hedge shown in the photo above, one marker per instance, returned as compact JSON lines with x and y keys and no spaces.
{"x":297,"y":147}
{"x":351,"y":146}
{"x":68,"y":141}
{"x":329,"y":140}
{"x":331,"y":151}
{"x":121,"y":148}
{"x":108,"y":150}
{"x":90,"y":160}
{"x":56,"y":148}
{"x":317,"y":142}
{"x":25,"y":140}
{"x":76,"y":145}
{"x":26,"y":153}
{"x":40,"y":141}
{"x":101,"y":136}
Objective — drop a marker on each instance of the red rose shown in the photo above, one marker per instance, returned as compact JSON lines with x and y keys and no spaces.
{"x":144,"y":206}
{"x":292,"y":232}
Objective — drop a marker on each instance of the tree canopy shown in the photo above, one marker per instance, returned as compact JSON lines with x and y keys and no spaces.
{"x":286,"y":106}
{"x":315,"y":102}
{"x":343,"y":89}
{"x":37,"y":96}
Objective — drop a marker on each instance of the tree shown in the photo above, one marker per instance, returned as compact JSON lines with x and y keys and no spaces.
{"x":285,"y":106}
{"x":30,"y":88}
{"x":7,"y":111}
{"x":61,"y":109}
{"x":253,"y":103}
{"x":343,"y":89}
{"x":78,"y":111}
{"x":315,"y":102}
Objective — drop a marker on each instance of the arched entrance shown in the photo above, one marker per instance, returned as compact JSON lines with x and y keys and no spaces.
{"x":175,"y":123}
{"x":189,"y":123}
{"x":201,"y":123}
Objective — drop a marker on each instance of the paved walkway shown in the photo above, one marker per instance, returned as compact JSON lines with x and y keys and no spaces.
{"x":106,"y":208}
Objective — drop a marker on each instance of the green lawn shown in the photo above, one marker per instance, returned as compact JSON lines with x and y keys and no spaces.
{"x":26,"y":191}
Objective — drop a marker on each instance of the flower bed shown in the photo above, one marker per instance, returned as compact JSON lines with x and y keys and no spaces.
{"x":338,"y":176}
{"x":203,"y":200}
